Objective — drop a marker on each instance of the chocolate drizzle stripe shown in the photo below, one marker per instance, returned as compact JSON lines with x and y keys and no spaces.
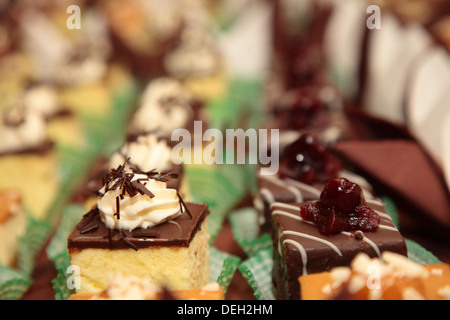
{"x":278,"y":210}
{"x":295,"y":187}
{"x":304,"y":235}
{"x":370,"y":242}
{"x":302,"y":251}
{"x":267,"y":195}
{"x":290,"y":215}
{"x":382,"y":226}
{"x":284,"y":206}
{"x":304,"y":187}
{"x":177,"y":224}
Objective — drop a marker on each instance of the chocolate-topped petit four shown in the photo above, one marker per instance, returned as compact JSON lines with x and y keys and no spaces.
{"x":312,"y":237}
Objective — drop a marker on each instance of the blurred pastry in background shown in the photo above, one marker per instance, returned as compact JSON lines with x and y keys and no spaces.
{"x":132,"y":288}
{"x":12,"y":225}
{"x":142,"y":31}
{"x":196,"y":59}
{"x":28,"y":159}
{"x":78,"y":61}
{"x":391,"y":277}
{"x":165,"y":105}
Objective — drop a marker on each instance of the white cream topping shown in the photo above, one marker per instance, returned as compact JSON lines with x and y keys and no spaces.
{"x":147,"y":153}
{"x":163,"y":17}
{"x":30,"y":131}
{"x":132,"y":288}
{"x":164,"y":107}
{"x":89,"y":70}
{"x":141,"y":210}
{"x":42,"y":99}
{"x":195,"y":56}
{"x":128,"y":288}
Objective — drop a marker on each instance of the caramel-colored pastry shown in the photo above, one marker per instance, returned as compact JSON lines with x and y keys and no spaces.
{"x":132,"y":288}
{"x":12,"y":225}
{"x":393,"y":277}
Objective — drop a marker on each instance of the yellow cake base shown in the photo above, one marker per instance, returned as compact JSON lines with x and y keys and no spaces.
{"x":35,"y":176}
{"x":208,"y":87}
{"x":177,"y":268}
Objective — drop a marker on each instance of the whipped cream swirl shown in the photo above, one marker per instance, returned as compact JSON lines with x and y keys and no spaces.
{"x":42,"y":99}
{"x":146,"y":153}
{"x":128,"y":288}
{"x":133,"y":201}
{"x":22,"y":130}
{"x":165,"y":106}
{"x":195,"y":56}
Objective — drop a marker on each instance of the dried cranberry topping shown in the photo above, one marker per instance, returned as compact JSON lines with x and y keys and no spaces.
{"x":308,"y":160}
{"x":341,"y":208}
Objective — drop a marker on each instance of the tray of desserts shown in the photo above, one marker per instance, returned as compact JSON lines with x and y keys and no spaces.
{"x":224,"y":150}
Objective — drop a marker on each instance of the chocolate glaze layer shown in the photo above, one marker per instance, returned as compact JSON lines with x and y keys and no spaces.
{"x":91,"y":232}
{"x":300,"y":249}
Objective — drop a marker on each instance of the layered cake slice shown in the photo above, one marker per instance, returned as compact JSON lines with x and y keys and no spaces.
{"x":143,"y":229}
{"x":315,"y":236}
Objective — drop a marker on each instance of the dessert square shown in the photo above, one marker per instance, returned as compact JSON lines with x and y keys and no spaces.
{"x":300,"y":248}
{"x":397,"y":278}
{"x":141,"y":228}
{"x":174,"y":254}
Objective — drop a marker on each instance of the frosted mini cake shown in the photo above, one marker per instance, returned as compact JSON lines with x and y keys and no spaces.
{"x":143,"y":229}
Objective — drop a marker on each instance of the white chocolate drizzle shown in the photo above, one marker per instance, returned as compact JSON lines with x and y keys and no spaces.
{"x":284,"y":209}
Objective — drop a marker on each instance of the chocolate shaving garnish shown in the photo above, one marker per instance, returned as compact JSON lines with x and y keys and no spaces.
{"x":123,"y":180}
{"x":182,"y":204}
{"x":89,"y":229}
{"x":141,"y":188}
{"x":130,"y":244}
{"x":91,"y":215}
{"x":117,"y":184}
{"x":117,"y":214}
{"x":98,"y":193}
